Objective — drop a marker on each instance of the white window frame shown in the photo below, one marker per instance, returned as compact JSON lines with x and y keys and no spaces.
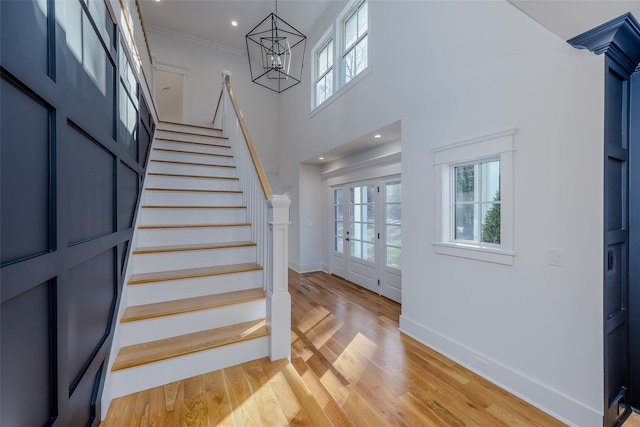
{"x":494,"y":146}
{"x":327,"y":37}
{"x":336,"y":32}
{"x":349,"y":12}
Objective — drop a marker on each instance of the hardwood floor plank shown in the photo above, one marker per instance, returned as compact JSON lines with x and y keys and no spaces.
{"x":350,"y":365}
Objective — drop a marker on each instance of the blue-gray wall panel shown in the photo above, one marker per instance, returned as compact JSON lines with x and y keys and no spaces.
{"x":24,"y":175}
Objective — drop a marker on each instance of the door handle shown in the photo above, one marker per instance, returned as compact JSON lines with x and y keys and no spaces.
{"x":347,"y":239}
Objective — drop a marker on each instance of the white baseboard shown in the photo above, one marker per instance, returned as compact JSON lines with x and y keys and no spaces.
{"x":308,"y":268}
{"x":550,"y":401}
{"x":294,"y":266}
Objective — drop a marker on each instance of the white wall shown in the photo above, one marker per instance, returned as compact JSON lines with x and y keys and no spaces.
{"x":205,"y":63}
{"x":451,"y":71}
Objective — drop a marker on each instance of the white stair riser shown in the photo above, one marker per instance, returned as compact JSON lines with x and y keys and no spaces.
{"x":182,"y":128}
{"x":127,"y":381}
{"x":178,"y":182}
{"x":178,"y":168}
{"x":191,"y":138}
{"x":189,"y":157}
{"x":185,"y":323}
{"x":149,"y":263}
{"x":186,"y":198}
{"x":159,"y":216}
{"x":196,"y":235}
{"x":213,"y":148}
{"x":168,"y":290}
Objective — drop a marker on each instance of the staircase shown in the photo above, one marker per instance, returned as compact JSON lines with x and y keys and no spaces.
{"x":194,"y":300}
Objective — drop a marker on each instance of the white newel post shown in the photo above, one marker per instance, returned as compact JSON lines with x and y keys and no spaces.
{"x":278,"y":297}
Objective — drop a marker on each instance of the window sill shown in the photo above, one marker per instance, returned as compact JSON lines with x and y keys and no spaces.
{"x":497,"y":256}
{"x":344,"y":89}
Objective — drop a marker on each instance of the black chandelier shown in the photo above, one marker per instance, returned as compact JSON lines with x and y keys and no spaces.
{"x":276,"y":53}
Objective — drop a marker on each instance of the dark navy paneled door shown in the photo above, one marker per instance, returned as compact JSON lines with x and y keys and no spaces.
{"x":74,"y":138}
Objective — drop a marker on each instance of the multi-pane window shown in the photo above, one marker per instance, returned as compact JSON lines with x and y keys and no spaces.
{"x":476,"y":207}
{"x":355,"y":51}
{"x":338,"y":220}
{"x":324,"y":73}
{"x":362,"y":222}
{"x":393,"y":222}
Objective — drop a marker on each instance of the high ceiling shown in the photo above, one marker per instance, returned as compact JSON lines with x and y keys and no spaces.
{"x":210,"y":20}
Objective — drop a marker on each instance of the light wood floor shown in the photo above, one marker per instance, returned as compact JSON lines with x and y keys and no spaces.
{"x":349,"y":366}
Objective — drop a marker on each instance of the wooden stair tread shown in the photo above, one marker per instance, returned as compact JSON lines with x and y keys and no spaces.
{"x":153,"y":351}
{"x":190,"y":207}
{"x":204,"y":144}
{"x":186,"y":305}
{"x":170,"y":150}
{"x":182,"y":175}
{"x":183,"y":248}
{"x":193,"y":133}
{"x":175,"y":162}
{"x":189,"y":273}
{"x":194,"y":190}
{"x":150,"y":227}
{"x":168,"y":122}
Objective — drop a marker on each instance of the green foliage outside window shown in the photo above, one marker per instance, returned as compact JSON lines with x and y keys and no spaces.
{"x":491,"y":226}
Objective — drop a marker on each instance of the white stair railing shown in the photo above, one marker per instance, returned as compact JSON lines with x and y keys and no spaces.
{"x":269,"y":218}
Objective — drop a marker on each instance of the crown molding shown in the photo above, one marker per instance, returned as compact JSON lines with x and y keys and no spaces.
{"x":618,"y":38}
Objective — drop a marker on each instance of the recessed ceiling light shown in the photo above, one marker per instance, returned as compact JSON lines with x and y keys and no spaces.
{"x":233,"y":23}
{"x":320,"y":158}
{"x":377,"y":135}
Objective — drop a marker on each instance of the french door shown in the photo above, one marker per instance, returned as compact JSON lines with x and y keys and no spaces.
{"x":366,"y":244}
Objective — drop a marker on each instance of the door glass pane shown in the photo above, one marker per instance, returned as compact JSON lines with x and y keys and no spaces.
{"x":338,"y":223}
{"x":394,"y":257}
{"x":394,"y":213}
{"x":394,"y":235}
{"x":393,"y":192}
{"x":368,"y":251}
{"x":393,"y":221}
{"x":362,"y":221}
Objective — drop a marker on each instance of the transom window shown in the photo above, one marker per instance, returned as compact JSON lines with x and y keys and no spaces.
{"x":476,"y":207}
{"x":355,"y":52}
{"x":324,"y":73}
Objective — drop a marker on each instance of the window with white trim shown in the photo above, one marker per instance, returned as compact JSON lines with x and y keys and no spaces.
{"x":476,"y":202}
{"x":474,"y":198}
{"x":341,"y":54}
{"x":324,"y":73}
{"x":355,"y":52}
